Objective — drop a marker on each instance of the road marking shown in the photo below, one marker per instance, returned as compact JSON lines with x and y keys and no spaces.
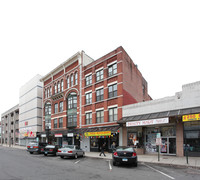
{"x":110,"y":167}
{"x":77,"y":162}
{"x":159,"y":171}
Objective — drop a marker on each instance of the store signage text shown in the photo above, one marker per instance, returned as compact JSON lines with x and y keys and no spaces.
{"x":101,"y":133}
{"x":58,"y":135}
{"x":147,"y":122}
{"x":191,"y":117}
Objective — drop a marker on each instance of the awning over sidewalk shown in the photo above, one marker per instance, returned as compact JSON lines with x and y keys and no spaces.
{"x":170,"y":113}
{"x":113,"y":129}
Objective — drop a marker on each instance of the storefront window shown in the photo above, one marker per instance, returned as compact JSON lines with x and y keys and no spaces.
{"x":192,"y":138}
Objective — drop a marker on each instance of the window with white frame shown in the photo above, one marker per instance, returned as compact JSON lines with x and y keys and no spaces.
{"x":72,"y":80}
{"x":100,"y":116}
{"x":76,"y":78}
{"x":68,"y":82}
{"x":99,"y":75}
{"x":88,"y":118}
{"x":112,"y":69}
{"x":88,"y":80}
{"x":56,"y":108}
{"x":55,"y":88}
{"x":58,"y":86}
{"x":61,"y":106}
{"x":88,"y":98}
{"x":62,"y":84}
{"x":55,"y":123}
{"x":112,"y":91}
{"x":99,"y":94}
{"x":50,"y":91}
{"x":113,"y":114}
{"x":60,"y":122}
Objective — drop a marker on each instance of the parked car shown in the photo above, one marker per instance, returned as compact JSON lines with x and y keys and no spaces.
{"x":50,"y":149}
{"x":35,"y":146}
{"x":70,"y":151}
{"x":124,"y":155}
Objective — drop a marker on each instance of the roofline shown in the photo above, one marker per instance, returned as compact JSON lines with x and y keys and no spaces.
{"x":78,"y":54}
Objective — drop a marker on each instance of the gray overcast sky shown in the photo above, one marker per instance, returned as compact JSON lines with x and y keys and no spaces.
{"x":161,"y":37}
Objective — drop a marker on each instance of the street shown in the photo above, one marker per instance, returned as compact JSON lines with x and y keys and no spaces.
{"x":17,"y":164}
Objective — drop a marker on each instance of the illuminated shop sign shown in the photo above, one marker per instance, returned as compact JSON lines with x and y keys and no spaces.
{"x":101,"y":133}
{"x":191,"y":117}
{"x":147,"y":122}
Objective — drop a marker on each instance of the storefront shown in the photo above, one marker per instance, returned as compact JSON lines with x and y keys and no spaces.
{"x":192,"y":134}
{"x":93,"y":138}
{"x":143,"y":135}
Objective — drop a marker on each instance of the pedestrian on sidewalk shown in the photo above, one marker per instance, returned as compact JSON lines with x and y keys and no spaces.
{"x":113,"y":147}
{"x":102,"y":149}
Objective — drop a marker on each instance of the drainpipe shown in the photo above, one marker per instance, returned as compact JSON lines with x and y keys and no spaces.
{"x":80,"y":100}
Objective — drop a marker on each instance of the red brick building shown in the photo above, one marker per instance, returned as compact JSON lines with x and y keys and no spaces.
{"x":83,"y":99}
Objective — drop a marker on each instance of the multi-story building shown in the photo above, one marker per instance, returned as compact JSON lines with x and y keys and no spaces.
{"x":83,"y":99}
{"x":10,"y":126}
{"x":30,"y":108}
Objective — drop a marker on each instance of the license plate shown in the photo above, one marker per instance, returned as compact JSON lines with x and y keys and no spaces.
{"x":124,"y":159}
{"x":46,"y":152}
{"x":64,"y":151}
{"x":31,"y":146}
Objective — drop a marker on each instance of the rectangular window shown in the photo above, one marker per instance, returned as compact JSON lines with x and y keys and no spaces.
{"x":88,"y":98}
{"x":72,"y":120}
{"x":99,"y":75}
{"x":88,"y":80}
{"x":88,"y":118}
{"x":55,"y":123}
{"x":56,"y":108}
{"x":100,"y":116}
{"x":60,"y":122}
{"x":61,"y":106}
{"x":112,"y":114}
{"x":55,"y":88}
{"x":99,"y":94}
{"x":112,"y":91}
{"x":112,"y":69}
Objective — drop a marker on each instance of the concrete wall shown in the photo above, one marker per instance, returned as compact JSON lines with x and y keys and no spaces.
{"x":30,"y":107}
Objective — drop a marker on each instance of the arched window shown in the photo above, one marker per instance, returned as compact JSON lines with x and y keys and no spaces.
{"x":62,"y":85}
{"x":50,"y":91}
{"x":47,"y":92}
{"x":72,"y":80}
{"x":68,"y":82}
{"x":76,"y":78}
{"x":55,"y":88}
{"x":58,"y":86}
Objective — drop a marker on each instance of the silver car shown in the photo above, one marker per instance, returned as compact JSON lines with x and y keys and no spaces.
{"x":70,"y":151}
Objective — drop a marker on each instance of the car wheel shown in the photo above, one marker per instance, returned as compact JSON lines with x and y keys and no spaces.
{"x":135,"y":164}
{"x":62,"y":157}
{"x":76,"y":156}
{"x":114,"y":163}
{"x":31,"y":152}
{"x":83,"y":154}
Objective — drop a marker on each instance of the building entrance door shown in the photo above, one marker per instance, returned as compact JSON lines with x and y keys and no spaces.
{"x":168,"y":145}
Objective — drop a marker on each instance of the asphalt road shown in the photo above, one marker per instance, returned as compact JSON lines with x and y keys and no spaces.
{"x":17,"y":164}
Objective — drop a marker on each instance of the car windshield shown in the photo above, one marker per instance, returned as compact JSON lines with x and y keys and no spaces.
{"x":124,"y":149}
{"x":68,"y":146}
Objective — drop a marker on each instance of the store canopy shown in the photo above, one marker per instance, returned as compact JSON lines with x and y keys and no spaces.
{"x":170,"y":113}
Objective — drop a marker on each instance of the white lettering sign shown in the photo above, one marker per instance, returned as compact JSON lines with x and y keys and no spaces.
{"x":147,"y":122}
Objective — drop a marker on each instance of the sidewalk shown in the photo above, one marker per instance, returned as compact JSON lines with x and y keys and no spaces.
{"x":193,"y":162}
